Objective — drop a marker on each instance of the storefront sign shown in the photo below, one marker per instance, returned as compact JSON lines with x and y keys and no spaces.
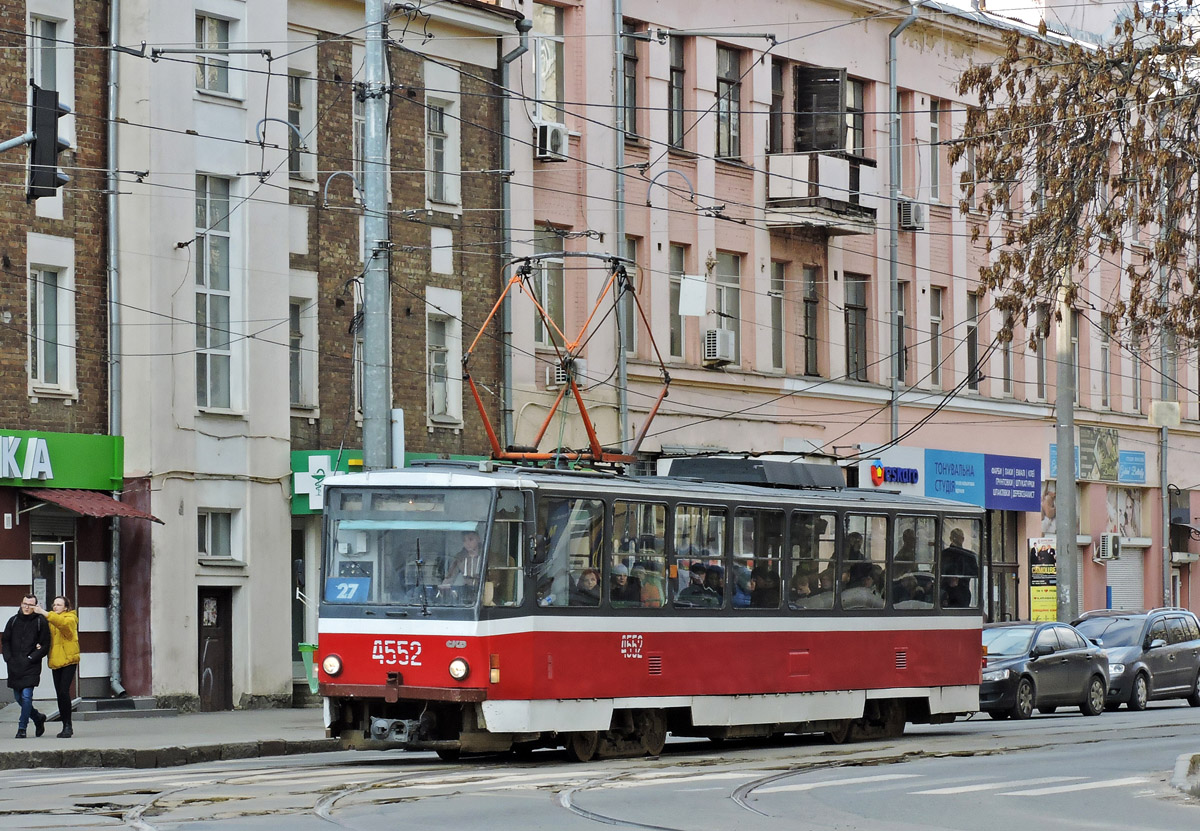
{"x":61,"y":460}
{"x":881,"y":474}
{"x":1054,"y":462}
{"x":1012,"y":483}
{"x":1001,"y":483}
{"x":1131,"y":467}
{"x":1098,"y":454}
{"x":1043,"y":579}
{"x":957,"y":476}
{"x":309,"y":471}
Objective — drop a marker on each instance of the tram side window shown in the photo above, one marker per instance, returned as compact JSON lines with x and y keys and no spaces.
{"x":814,"y":564}
{"x":913,"y":580}
{"x":503,"y":585}
{"x":570,"y":535}
{"x":757,"y":553}
{"x":960,"y":564}
{"x":864,"y":562}
{"x":639,"y":533}
{"x":699,"y":544}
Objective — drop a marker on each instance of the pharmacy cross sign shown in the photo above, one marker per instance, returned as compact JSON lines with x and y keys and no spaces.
{"x":311,"y":483}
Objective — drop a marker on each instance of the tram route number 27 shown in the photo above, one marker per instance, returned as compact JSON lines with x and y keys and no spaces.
{"x":394,"y":653}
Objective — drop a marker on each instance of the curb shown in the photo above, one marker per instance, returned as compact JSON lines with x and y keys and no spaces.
{"x":162,"y":757}
{"x":1187,"y":774}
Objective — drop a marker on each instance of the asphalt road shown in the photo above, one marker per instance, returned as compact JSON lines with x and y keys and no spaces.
{"x":1051,"y":772}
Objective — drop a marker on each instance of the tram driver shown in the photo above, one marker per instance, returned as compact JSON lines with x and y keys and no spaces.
{"x":466,"y":568}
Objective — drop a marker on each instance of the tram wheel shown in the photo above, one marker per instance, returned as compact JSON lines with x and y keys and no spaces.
{"x":449,"y":754}
{"x":839,"y":734}
{"x":652,"y":730}
{"x":582,"y":746}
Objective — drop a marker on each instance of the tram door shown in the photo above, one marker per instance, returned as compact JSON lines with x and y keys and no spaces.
{"x":49,"y":580}
{"x":215,"y":657}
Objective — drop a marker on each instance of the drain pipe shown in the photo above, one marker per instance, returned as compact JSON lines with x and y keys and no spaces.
{"x":506,"y":349}
{"x":894,"y":212}
{"x":114,"y":352}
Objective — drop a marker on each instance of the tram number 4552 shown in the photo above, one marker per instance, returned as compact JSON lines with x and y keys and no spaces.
{"x":397,"y":653}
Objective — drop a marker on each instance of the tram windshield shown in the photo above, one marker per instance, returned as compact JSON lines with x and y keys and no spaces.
{"x":424,"y":548}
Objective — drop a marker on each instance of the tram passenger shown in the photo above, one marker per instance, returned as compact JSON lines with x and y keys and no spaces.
{"x":741,"y":587}
{"x":906,"y":555}
{"x":714,"y":578}
{"x":764,"y":588}
{"x":586,"y":591}
{"x":955,"y":593}
{"x":466,"y":568}
{"x":854,"y":546}
{"x":864,"y":587}
{"x":696,"y":593}
{"x":800,"y":586}
{"x":652,"y":584}
{"x":624,"y":589}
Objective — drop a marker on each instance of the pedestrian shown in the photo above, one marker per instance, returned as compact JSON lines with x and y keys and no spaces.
{"x":25,"y":642}
{"x":64,"y":655}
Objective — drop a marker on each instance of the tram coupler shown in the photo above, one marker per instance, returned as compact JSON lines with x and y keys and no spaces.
{"x":394,"y":729}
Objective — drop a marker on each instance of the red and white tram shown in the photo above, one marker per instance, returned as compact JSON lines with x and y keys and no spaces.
{"x":485,"y":607}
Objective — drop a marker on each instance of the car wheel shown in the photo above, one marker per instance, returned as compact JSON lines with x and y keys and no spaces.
{"x":1093,"y":705}
{"x":1140,"y":693}
{"x":1023,"y":706}
{"x":1194,"y":698}
{"x":1047,"y":711}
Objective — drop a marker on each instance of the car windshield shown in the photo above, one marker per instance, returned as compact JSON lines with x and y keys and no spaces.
{"x":1008,"y":640}
{"x":1111,"y":631}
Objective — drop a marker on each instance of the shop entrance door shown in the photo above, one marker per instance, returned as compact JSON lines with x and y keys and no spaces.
{"x":215,"y":656}
{"x":49,"y":580}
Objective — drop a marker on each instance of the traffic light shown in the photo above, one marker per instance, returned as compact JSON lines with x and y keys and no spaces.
{"x":44,"y":176}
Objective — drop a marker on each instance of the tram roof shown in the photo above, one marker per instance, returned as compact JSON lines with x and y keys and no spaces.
{"x":459,"y":474}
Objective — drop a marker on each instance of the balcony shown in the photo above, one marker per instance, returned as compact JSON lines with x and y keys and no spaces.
{"x":836,"y":194}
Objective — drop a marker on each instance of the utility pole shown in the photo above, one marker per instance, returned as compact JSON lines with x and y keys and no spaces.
{"x":1065,"y":509}
{"x":377,"y":353}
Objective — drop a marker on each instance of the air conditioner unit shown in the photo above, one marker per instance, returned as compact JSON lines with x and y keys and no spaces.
{"x":719,"y":347}
{"x":1109,"y":547}
{"x":556,"y":375}
{"x":912,"y":215}
{"x":550,"y":141}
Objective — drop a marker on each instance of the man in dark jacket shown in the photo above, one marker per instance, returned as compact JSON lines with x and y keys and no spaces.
{"x":26,"y":641}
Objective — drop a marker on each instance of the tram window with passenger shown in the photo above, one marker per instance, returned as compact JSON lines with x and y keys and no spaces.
{"x":699,"y":546}
{"x":959,"y":587}
{"x":864,"y":562}
{"x":570,"y":533}
{"x":913,"y":558}
{"x":757,"y":546}
{"x":813,"y":578}
{"x":639,"y":532}
{"x":503,"y":583}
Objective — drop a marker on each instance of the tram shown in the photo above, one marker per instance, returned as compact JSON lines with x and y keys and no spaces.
{"x":480,"y":607}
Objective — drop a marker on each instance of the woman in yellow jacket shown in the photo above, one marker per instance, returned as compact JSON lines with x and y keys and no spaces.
{"x":64,"y":655}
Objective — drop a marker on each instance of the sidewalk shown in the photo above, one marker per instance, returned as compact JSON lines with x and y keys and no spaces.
{"x":168,"y":741}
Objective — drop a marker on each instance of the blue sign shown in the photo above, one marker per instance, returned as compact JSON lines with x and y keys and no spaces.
{"x":347,"y":589}
{"x":1131,"y":467}
{"x":1012,"y":483}
{"x":1054,"y":462}
{"x":957,"y":476}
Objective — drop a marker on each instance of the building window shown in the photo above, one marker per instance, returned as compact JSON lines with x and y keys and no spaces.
{"x":775,"y":115}
{"x":972,"y":339}
{"x":443,"y":355}
{"x":812,"y":306}
{"x":678,"y":258}
{"x":213,"y":295}
{"x":935,"y":336}
{"x":901,"y":333}
{"x":51,"y":323}
{"x":359,"y":135}
{"x":214,"y":533}
{"x":675,"y":92}
{"x":1106,"y":324}
{"x":435,"y":142}
{"x":548,"y":52}
{"x":296,"y":383}
{"x":729,"y":103}
{"x":359,"y":356}
{"x":728,"y":274}
{"x":300,"y":116}
{"x":43,"y":52}
{"x":856,"y":126}
{"x":628,"y":301}
{"x":629,"y":78}
{"x":437,"y":367}
{"x":821,"y":120}
{"x":856,"y":327}
{"x":935,"y":152}
{"x":548,"y":284}
{"x":212,"y":70}
{"x":775,"y":298}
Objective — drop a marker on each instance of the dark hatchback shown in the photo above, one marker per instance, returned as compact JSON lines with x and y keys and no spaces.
{"x":1151,"y":655}
{"x":1042,"y":666}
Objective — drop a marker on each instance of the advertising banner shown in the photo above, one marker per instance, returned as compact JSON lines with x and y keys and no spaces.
{"x":1012,"y":483}
{"x":1131,"y":467}
{"x":957,"y":476}
{"x":1043,"y":579}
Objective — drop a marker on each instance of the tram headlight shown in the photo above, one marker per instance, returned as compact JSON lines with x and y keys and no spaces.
{"x":459,"y":669}
{"x":332,"y":665}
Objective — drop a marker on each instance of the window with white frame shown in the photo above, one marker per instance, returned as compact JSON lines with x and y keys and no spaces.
{"x":728,"y":278}
{"x":212,"y":70}
{"x":729,"y":103}
{"x":775,"y":298}
{"x":678,"y":260}
{"x":812,"y":310}
{"x":676,"y":93}
{"x":629,"y":78}
{"x":51,"y":328}
{"x":856,"y":327}
{"x":548,"y":284}
{"x":901,"y":334}
{"x":443,"y":353}
{"x":935,"y":150}
{"x":358,"y":127}
{"x":628,"y":301}
{"x":360,"y":369}
{"x":214,"y":533}
{"x":443,"y":132}
{"x":935,"y":336}
{"x":301,"y":106}
{"x":44,"y":37}
{"x":435,"y":145}
{"x":775,"y":113}
{"x":302,"y":351}
{"x":548,"y":62}
{"x":213,"y":293}
{"x":972,"y":341}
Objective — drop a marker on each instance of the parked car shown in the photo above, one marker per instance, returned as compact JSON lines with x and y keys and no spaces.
{"x":1151,"y":655}
{"x":1043,"y":666}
